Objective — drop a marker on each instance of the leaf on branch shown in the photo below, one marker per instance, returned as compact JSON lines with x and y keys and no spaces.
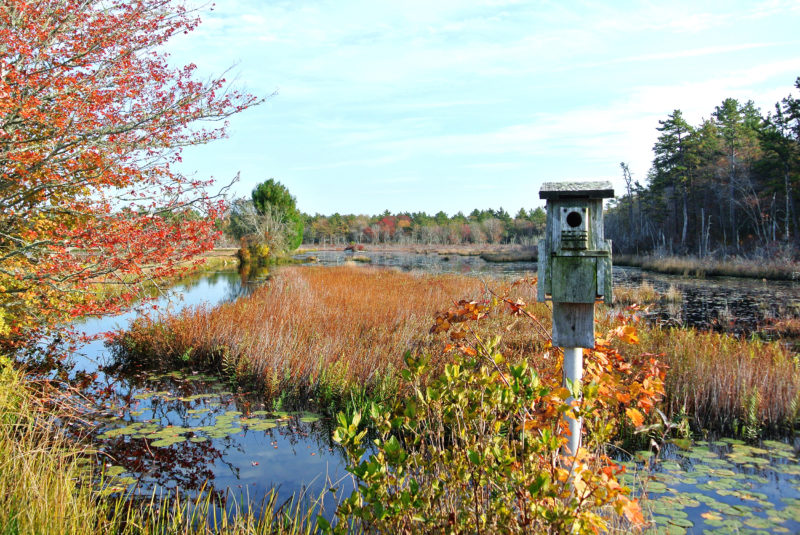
{"x":635,"y":416}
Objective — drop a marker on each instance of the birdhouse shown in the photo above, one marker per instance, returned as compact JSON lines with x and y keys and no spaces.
{"x":574,"y":258}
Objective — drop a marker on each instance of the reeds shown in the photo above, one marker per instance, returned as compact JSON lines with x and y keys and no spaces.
{"x":310,"y":331}
{"x":725,"y":383}
{"x":645,"y":294}
{"x":40,"y":470}
{"x":338,"y":335}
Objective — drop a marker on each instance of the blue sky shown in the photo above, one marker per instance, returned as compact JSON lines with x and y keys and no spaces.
{"x":455,"y":105}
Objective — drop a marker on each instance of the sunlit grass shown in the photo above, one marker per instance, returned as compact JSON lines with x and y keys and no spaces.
{"x":339,"y":334}
{"x":310,"y":329}
{"x":708,"y":267}
{"x":725,"y":383}
{"x":645,"y":294}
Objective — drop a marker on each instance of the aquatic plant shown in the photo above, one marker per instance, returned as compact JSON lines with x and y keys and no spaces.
{"x":645,"y":294}
{"x":713,"y":376}
{"x":50,"y":483}
{"x":710,"y":267}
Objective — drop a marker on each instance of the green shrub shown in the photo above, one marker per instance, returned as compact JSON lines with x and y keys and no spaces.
{"x":478,"y":448}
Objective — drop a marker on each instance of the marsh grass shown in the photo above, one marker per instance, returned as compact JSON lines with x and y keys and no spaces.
{"x":40,"y":471}
{"x":338,"y":335}
{"x":690,"y":266}
{"x":323,"y":332}
{"x":645,"y":294}
{"x":725,"y":383}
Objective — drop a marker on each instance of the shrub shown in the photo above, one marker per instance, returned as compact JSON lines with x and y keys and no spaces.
{"x":479,"y":447}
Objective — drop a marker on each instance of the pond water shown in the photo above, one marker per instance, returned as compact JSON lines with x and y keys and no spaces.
{"x":185,"y":430}
{"x":191,"y":431}
{"x":724,"y":486}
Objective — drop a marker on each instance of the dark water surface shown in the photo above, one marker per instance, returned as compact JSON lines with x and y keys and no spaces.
{"x":187,"y":431}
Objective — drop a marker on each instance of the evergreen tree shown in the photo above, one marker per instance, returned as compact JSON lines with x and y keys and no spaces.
{"x":272,"y":197}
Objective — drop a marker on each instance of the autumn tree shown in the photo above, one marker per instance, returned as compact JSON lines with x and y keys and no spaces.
{"x":92,"y":122}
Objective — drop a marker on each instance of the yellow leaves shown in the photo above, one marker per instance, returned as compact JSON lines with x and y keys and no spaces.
{"x":562,"y":393}
{"x":5,"y":328}
{"x":635,"y":416}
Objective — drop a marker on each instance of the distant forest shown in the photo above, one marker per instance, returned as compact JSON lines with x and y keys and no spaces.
{"x":419,"y":228}
{"x":726,"y":186}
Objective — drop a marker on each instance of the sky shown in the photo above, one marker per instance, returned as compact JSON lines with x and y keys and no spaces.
{"x":460,"y":104}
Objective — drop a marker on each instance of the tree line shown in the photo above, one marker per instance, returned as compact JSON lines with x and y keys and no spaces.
{"x":479,"y":227}
{"x":408,"y":228}
{"x":728,"y":185}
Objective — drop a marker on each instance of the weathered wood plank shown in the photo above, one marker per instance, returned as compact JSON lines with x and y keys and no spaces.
{"x":573,"y":324}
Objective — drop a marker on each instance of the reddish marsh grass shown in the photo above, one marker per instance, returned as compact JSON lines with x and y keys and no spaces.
{"x":724,"y":382}
{"x":310,"y":328}
{"x":332,"y":332}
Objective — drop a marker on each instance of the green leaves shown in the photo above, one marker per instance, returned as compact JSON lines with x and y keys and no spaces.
{"x":477,"y":448}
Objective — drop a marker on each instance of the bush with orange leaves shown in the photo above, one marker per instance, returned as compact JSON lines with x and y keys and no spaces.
{"x":478,"y":448}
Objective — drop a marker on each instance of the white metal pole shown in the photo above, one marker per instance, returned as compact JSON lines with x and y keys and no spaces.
{"x":573,"y":370}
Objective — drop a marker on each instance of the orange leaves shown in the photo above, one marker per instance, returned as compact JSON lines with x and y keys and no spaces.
{"x":98,"y":115}
{"x":463,"y":311}
{"x":626,"y":333}
{"x":635,"y":416}
{"x":631,"y":510}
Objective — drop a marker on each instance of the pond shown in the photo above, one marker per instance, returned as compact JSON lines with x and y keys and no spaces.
{"x":723,"y":486}
{"x":186,"y":430}
{"x":191,"y":431}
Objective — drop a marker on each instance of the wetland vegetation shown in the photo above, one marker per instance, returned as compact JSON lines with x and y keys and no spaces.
{"x":716,"y":383}
{"x":357,"y":398}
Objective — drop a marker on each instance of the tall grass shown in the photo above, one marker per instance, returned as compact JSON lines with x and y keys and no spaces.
{"x":710,"y":267}
{"x":40,"y":471}
{"x":645,"y":294}
{"x":310,"y":331}
{"x":726,"y":383}
{"x":339,"y":334}
{"x":50,"y":484}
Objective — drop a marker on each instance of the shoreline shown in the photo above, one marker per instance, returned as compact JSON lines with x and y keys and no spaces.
{"x":701,"y":268}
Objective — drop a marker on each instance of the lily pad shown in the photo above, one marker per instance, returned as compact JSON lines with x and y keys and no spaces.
{"x":165,"y":442}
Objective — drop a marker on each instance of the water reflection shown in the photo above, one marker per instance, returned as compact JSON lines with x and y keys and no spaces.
{"x":190,"y":432}
{"x":193,"y":430}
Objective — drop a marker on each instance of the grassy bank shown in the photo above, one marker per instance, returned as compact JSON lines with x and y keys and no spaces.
{"x":690,"y":266}
{"x":39,"y":470}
